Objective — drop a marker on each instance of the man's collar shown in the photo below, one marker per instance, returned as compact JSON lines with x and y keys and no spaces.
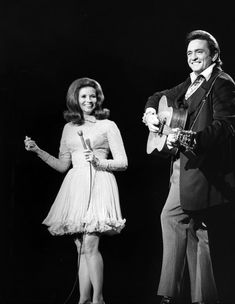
{"x":206,"y":73}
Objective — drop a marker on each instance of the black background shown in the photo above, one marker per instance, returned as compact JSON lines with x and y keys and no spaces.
{"x":132,"y":48}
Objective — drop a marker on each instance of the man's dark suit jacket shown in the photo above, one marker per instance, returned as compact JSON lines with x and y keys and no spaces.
{"x":207,"y":174}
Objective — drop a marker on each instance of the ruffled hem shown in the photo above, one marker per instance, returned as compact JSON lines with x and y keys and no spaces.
{"x":104,"y":227}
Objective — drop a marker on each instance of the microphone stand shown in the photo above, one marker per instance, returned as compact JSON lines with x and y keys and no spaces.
{"x":80,"y":133}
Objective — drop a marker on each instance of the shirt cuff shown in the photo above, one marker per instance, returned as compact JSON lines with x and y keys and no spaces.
{"x":148,"y":111}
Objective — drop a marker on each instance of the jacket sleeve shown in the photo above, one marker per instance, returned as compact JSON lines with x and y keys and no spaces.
{"x":172,"y":94}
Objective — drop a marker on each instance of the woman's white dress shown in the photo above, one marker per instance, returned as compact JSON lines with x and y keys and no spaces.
{"x":88,"y":200}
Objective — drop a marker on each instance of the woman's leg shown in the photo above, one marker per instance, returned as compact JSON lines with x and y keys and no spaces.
{"x":83,"y":273}
{"x":95,"y":265}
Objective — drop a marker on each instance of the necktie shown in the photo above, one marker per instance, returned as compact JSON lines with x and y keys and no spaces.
{"x":194,"y":86}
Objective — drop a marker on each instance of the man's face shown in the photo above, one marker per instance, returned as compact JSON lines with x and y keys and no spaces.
{"x":198,"y":54}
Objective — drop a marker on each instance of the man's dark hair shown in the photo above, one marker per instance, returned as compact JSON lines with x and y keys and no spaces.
{"x":212,"y":43}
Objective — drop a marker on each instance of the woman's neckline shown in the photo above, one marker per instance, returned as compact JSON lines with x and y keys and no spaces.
{"x":89,"y":118}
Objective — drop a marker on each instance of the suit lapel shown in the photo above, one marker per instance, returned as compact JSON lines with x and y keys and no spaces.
{"x":196,"y":99}
{"x":181,"y":95}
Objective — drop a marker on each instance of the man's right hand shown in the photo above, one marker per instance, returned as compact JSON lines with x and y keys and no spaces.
{"x":152,"y":122}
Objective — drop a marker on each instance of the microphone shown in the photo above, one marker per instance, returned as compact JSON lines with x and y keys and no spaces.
{"x":80,"y":133}
{"x":88,"y":143}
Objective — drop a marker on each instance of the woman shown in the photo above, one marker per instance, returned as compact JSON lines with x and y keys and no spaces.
{"x":87,"y":204}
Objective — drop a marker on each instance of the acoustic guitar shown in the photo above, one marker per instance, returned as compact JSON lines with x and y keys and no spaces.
{"x":170,"y":118}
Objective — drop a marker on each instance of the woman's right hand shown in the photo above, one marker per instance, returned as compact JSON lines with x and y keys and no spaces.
{"x":30,"y":145}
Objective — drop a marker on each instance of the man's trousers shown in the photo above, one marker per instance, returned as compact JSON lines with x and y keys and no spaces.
{"x":185,"y":240}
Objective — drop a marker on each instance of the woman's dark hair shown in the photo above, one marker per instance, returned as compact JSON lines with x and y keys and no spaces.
{"x":212,"y":43}
{"x":74,"y":113}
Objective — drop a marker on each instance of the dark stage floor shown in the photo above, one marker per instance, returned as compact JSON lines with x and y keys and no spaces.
{"x":46,"y":272}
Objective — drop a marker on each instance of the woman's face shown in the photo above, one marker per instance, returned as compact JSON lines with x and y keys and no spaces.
{"x":87,"y":99}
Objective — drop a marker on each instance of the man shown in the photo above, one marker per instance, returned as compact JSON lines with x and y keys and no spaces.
{"x":202,"y":170}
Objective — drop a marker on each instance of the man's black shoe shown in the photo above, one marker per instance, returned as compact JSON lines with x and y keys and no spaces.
{"x":167,"y":300}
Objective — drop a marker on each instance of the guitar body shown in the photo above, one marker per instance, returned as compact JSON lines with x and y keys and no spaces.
{"x":169,"y":118}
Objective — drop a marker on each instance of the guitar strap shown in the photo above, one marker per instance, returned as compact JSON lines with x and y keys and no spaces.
{"x":173,"y":157}
{"x":204,"y":100}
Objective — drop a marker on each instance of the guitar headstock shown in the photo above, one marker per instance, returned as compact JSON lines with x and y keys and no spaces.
{"x":186,"y":138}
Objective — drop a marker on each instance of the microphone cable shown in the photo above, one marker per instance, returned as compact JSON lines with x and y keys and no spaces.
{"x":80,"y":133}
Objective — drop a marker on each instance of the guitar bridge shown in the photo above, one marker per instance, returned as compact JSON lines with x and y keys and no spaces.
{"x":160,"y":132}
